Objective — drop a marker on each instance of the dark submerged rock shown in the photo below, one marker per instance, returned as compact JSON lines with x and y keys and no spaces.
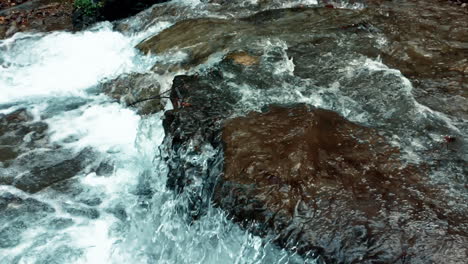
{"x":82,"y":211}
{"x":17,"y":214}
{"x":192,"y":131}
{"x":18,"y":134}
{"x":10,"y":236}
{"x":29,"y":161}
{"x":60,"y":223}
{"x":15,"y":207}
{"x":45,"y":175}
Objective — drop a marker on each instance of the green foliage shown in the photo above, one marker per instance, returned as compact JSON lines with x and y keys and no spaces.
{"x":89,"y":7}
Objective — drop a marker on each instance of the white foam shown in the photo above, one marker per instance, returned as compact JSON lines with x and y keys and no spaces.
{"x":299,"y":2}
{"x":63,"y":63}
{"x":107,"y":127}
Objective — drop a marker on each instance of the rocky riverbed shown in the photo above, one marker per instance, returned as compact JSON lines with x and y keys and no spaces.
{"x":328,"y":131}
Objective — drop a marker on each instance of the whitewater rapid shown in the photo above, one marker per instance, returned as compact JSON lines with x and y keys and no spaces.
{"x":56,"y":77}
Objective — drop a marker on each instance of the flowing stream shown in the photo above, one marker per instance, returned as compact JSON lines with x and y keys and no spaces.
{"x":55,"y":76}
{"x":127,"y":215}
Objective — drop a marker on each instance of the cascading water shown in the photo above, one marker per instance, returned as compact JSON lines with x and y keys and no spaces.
{"x":117,"y":209}
{"x":126,"y":215}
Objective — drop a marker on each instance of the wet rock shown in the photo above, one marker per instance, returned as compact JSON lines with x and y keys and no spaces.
{"x":19,"y":133}
{"x":15,"y":208}
{"x":60,"y":223}
{"x":71,"y":187}
{"x":105,"y":168}
{"x":10,"y":236}
{"x":137,"y":90}
{"x":42,"y":176}
{"x":326,"y":186}
{"x":29,"y":161}
{"x":243,"y":58}
{"x":428,"y":50}
{"x":192,"y":130}
{"x":82,"y":211}
{"x":92,"y":201}
{"x":119,"y":212}
{"x":198,"y":37}
{"x":203,"y":37}
{"x":62,"y":104}
{"x":7,"y":153}
{"x":309,"y":179}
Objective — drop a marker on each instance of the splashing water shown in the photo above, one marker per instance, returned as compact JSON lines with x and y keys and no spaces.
{"x":118,"y":209}
{"x":127,"y":216}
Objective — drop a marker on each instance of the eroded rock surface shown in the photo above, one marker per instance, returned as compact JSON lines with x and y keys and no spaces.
{"x":324,"y":185}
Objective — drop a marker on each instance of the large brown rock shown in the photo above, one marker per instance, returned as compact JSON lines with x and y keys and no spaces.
{"x":321,"y":184}
{"x":307,"y":178}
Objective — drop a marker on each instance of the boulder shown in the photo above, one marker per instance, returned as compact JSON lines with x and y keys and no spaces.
{"x":308,"y":179}
{"x":428,"y":50}
{"x":192,"y":131}
{"x":18,"y":134}
{"x":326,"y":186}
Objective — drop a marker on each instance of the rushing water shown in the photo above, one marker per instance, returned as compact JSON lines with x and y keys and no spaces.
{"x":134,"y":218}
{"x":128,"y":216}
